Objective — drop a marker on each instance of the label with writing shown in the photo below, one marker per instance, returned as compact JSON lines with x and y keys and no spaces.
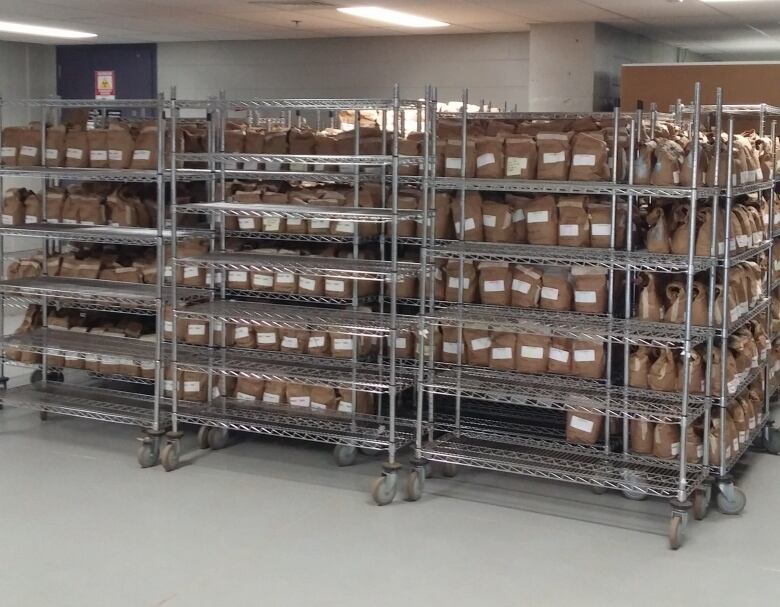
{"x":237,"y":276}
{"x":521,"y":286}
{"x":116,"y":155}
{"x":553,"y":157}
{"x":192,"y":386}
{"x":468,"y":225}
{"x":562,"y":356}
{"x":480,"y":343}
{"x":52,"y":153}
{"x":454,"y":282}
{"x":600,"y":229}
{"x":453,"y":163}
{"x":585,"y":296}
{"x":491,"y":286}
{"x":569,"y":229}
{"x":320,"y":224}
{"x":244,"y":396}
{"x":336,"y":286}
{"x":266,"y":338}
{"x":341,"y":343}
{"x":518,"y":215}
{"x":583,"y":160}
{"x":272,"y":224}
{"x":501,"y":353}
{"x":531,"y":352}
{"x":28,"y":150}
{"x":196,"y":329}
{"x":515,"y":166}
{"x":307,"y":284}
{"x":262,"y":280}
{"x":246,"y":223}
{"x":675,"y":449}
{"x":583,"y":425}
{"x":191,"y":271}
{"x":489,"y":221}
{"x":345,"y":227}
{"x":450,"y":347}
{"x":242,"y":332}
{"x":30,"y":219}
{"x":538,"y":217}
{"x":74,"y":153}
{"x":284,"y":278}
{"x":270,"y":397}
{"x":318,"y":341}
{"x":7,"y":152}
{"x":400,"y":343}
{"x":549,"y":293}
{"x":142,"y":154}
{"x":584,"y":356}
{"x":98,"y":155}
{"x":291,"y":343}
{"x":485,"y":159}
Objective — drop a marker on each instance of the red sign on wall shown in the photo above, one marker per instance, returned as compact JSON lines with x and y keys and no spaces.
{"x":105,"y":84}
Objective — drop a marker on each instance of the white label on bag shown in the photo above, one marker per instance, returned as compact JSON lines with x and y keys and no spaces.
{"x":585,"y":296}
{"x":549,"y":293}
{"x":28,"y":150}
{"x":469,"y":225}
{"x":115,"y":155}
{"x":8,"y":220}
{"x":30,"y":219}
{"x":454,"y":283}
{"x":168,"y":269}
{"x":146,"y":365}
{"x":191,"y":271}
{"x":732,"y":385}
{"x":752,"y":423}
{"x":531,"y":352}
{"x":307,"y":284}
{"x":400,"y":343}
{"x":521,"y":286}
{"x":317,"y":341}
{"x":732,"y":244}
{"x":600,"y":229}
{"x":699,"y":451}
{"x":243,"y":396}
{"x":480,"y":343}
{"x":7,"y":152}
{"x":294,"y":221}
{"x":142,"y":154}
{"x":675,"y":449}
{"x":583,"y":425}
{"x":676,"y":177}
{"x":501,"y":353}
{"x":237,"y":276}
{"x":262,"y":280}
{"x":553,"y":157}
{"x":266,"y":338}
{"x":274,"y":399}
{"x":74,"y":153}
{"x":538,"y":217}
{"x":584,"y":356}
{"x":290,"y":342}
{"x":485,"y":159}
{"x":98,"y":155}
{"x":242,"y":332}
{"x":743,"y":240}
{"x":453,"y":163}
{"x":735,"y":445}
{"x":747,"y":176}
{"x":345,"y":227}
{"x":492,"y":286}
{"x":285,"y":278}
{"x":345,"y":407}
{"x":246,"y":223}
{"x":168,"y":385}
{"x":334,"y":285}
{"x":272,"y":224}
{"x":721,"y":248}
{"x":518,"y":215}
{"x":199,"y":329}
{"x":192,"y":386}
{"x":450,"y":347}
{"x":52,"y":153}
{"x":342,"y":343}
{"x":320,"y":224}
{"x":168,"y":326}
{"x":583,"y":160}
{"x":758,"y":237}
{"x":766,"y":218}
{"x":489,"y":221}
{"x":562,"y":356}
{"x":568,"y":230}
{"x":515,"y":165}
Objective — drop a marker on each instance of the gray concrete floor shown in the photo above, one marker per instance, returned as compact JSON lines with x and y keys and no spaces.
{"x":268,"y":522}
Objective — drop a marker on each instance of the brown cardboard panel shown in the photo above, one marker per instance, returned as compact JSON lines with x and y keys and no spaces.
{"x":664,"y":84}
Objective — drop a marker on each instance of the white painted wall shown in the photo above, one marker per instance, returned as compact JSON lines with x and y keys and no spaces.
{"x":493,"y":66}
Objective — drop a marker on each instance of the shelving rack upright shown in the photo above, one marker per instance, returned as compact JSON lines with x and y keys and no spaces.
{"x":347,"y":429}
{"x":507,"y":430}
{"x":49,"y":392}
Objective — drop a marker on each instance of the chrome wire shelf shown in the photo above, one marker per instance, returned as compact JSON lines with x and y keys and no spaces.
{"x":303,"y":423}
{"x":295,"y":317}
{"x":325,"y":213}
{"x":281,"y":236}
{"x":296,"y":298}
{"x":84,"y":402}
{"x":335,"y":267}
{"x":87,"y":293}
{"x":116,"y":175}
{"x":567,"y":256}
{"x":555,"y":460}
{"x":56,"y":341}
{"x":571,"y":325}
{"x":747,"y":255}
{"x":102,"y":234}
{"x":739,"y":386}
{"x":299,"y":104}
{"x":569,"y":187}
{"x":93,"y":103}
{"x":754,"y":312}
{"x":295,"y":159}
{"x":296,"y":368}
{"x":562,"y":393}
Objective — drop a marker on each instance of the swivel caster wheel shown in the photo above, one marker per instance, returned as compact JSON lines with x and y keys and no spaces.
{"x":414,"y":484}
{"x":218,"y":438}
{"x":148,"y":454}
{"x":203,"y":437}
{"x":772,"y":441}
{"x":169,"y":457}
{"x":43,"y":415}
{"x":344,"y":455}
{"x":676,"y":532}
{"x":384,"y":488}
{"x":449,"y":470}
{"x":731,"y":501}
{"x":701,"y":503}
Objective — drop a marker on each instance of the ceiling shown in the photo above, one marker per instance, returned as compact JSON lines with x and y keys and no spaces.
{"x":733,"y":29}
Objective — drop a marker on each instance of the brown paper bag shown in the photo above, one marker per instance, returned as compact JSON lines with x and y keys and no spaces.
{"x":590,"y":158}
{"x":526,"y":287}
{"x":490,"y":157}
{"x":588,"y":359}
{"x":554,"y":156}
{"x":658,"y":237}
{"x":560,"y":360}
{"x":583,"y":428}
{"x":542,"y":221}
{"x":468,"y":283}
{"x":532,"y":353}
{"x":497,"y":222}
{"x":556,"y":293}
{"x":521,"y":157}
{"x":590,"y":290}
{"x":663,"y":372}
{"x":495,"y":283}
{"x":573,"y":222}
{"x":666,"y":441}
{"x":472,"y":225}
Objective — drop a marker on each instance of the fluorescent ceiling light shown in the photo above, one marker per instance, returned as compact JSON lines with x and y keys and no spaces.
{"x":40,"y":30}
{"x":386,"y":15}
